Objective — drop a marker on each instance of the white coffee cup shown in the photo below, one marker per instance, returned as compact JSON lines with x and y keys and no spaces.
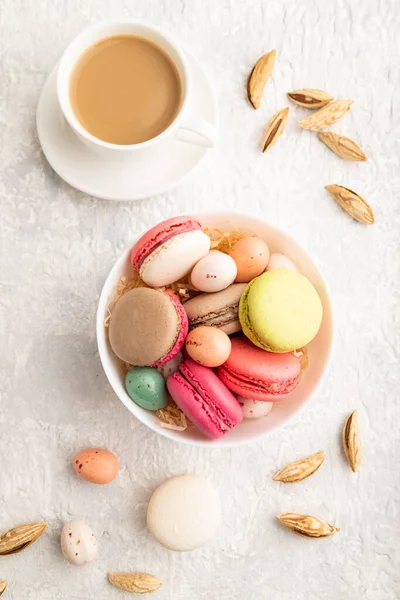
{"x":196,"y":131}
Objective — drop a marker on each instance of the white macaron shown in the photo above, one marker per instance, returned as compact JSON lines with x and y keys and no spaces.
{"x":184,"y":512}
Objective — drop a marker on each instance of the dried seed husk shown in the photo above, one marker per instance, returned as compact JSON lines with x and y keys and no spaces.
{"x":352,"y":203}
{"x":300,"y":470}
{"x":310,"y":98}
{"x":258,"y":78}
{"x":3,"y":585}
{"x":352,"y":441}
{"x":21,"y":537}
{"x":307,"y":525}
{"x":135,"y":583}
{"x":327,"y":115}
{"x":275,"y":129}
{"x":302,"y":355}
{"x":342,"y":146}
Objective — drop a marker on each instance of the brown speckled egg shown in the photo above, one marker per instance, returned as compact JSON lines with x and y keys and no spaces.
{"x":96,"y":465}
{"x":208,"y":346}
{"x":251,"y":256}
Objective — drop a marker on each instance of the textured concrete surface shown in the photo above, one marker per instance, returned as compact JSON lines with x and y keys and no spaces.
{"x":58,"y":244}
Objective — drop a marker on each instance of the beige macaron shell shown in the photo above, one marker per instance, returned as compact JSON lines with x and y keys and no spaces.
{"x":175,"y":258}
{"x":184,"y":512}
{"x":143,"y":326}
{"x":219,"y":309}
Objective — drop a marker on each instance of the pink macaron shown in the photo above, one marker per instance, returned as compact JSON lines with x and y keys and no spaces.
{"x":169,"y":251}
{"x":203,"y":398}
{"x":254,"y":373}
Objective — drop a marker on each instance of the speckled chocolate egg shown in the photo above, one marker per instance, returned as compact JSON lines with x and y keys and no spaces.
{"x":146,"y":387}
{"x":96,"y":465}
{"x":78,"y":543}
{"x":251,"y":256}
{"x":280,"y":261}
{"x":209,"y":346}
{"x":213,"y":273}
{"x":253,"y":409}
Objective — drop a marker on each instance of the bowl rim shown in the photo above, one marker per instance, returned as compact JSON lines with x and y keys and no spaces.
{"x":172,"y":434}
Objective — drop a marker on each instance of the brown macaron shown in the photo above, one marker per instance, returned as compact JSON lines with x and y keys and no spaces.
{"x":147,"y":327}
{"x":219,"y":309}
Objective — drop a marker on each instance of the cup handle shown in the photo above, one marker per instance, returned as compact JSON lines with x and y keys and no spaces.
{"x":198,"y":132}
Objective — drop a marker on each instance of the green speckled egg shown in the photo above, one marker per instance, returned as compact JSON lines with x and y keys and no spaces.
{"x":146,"y":387}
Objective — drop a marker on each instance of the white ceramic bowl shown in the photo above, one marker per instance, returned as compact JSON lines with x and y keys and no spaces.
{"x":319,"y":350}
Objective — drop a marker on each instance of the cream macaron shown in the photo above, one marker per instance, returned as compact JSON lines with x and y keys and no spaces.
{"x":169,"y":251}
{"x":184,"y":512}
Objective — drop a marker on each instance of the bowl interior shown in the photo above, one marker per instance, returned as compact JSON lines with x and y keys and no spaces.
{"x":318,"y":350}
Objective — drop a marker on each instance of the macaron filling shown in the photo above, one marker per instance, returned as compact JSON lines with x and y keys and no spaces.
{"x":160,"y":237}
{"x":220,"y":419}
{"x":254,"y":385}
{"x":217,"y":318}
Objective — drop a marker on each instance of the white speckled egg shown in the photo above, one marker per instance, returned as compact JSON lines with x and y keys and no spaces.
{"x":214,"y":272}
{"x":170,"y":367}
{"x":252,"y":409}
{"x":78,"y":543}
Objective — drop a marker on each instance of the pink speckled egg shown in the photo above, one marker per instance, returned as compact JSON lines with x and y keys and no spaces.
{"x":251,"y":257}
{"x":280,"y":261}
{"x":214,"y":272}
{"x":96,"y":465}
{"x":209,"y":346}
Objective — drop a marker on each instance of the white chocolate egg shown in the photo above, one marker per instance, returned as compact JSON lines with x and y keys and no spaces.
{"x":78,"y":543}
{"x":170,"y":367}
{"x":280,"y":261}
{"x":213,"y":273}
{"x":253,"y":409}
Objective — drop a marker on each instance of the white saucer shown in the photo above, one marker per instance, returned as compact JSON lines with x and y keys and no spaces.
{"x":126,"y":179}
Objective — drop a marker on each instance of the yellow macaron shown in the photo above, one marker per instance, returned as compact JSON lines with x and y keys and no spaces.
{"x":280,"y":311}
